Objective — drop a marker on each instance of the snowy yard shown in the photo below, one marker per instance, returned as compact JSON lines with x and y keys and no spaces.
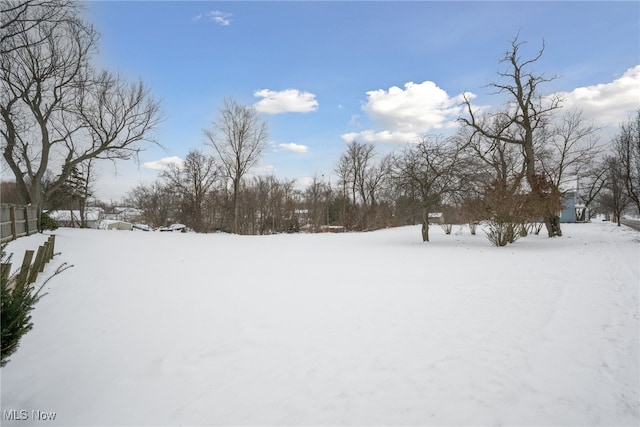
{"x":334,"y":329}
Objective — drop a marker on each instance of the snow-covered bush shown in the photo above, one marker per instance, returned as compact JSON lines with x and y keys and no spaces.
{"x":17,"y":300}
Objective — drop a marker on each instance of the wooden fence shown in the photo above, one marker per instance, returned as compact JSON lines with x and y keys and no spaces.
{"x":17,"y":221}
{"x":29,"y":272}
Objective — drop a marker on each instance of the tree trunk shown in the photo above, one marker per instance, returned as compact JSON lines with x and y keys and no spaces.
{"x":81,"y":208}
{"x":552,"y":222}
{"x":548,"y":223}
{"x":236,"y":190}
{"x":425,"y":227}
{"x":36,"y":200}
{"x":556,"y":222}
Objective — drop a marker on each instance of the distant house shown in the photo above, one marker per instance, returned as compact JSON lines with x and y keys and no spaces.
{"x":572,"y":209}
{"x":72,"y":218}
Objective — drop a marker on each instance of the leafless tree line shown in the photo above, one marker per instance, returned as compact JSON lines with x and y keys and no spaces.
{"x":620,"y":171}
{"x":198,"y":194}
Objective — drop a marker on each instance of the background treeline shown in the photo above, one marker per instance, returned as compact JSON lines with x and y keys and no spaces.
{"x":468,"y":178}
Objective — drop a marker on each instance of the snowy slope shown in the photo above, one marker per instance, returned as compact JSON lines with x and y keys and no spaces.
{"x":341,"y":329}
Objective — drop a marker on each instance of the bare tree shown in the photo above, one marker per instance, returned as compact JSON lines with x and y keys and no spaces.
{"x":592,"y":180}
{"x":431,"y":169}
{"x":316,"y":200}
{"x":362,"y":179}
{"x":378,"y":186}
{"x":614,"y":198}
{"x":56,"y":110}
{"x":343,"y":171}
{"x":158,"y":201}
{"x":239,"y":138}
{"x":570,"y":147}
{"x":524,"y":120}
{"x":276,"y":206}
{"x":357,"y":160}
{"x":193,"y":180}
{"x":627,"y":150}
{"x":493,"y":159}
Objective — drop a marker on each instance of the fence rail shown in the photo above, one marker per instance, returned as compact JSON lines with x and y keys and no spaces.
{"x":28,"y":272}
{"x":17,"y":221}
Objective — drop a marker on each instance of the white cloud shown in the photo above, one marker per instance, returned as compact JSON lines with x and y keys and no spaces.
{"x":370,"y":136}
{"x":401,"y":115}
{"x":163,"y":164}
{"x":285,"y":101}
{"x":296,"y":148}
{"x":607,"y":104}
{"x":220,"y":18}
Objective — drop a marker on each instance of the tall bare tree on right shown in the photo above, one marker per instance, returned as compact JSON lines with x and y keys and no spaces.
{"x":614,"y":198}
{"x":627,"y":150}
{"x":522,"y":121}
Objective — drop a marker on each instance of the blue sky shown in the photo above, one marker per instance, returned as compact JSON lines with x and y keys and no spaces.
{"x":324,"y":73}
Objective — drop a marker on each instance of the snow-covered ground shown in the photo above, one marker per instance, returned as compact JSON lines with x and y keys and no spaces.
{"x":334,"y":329}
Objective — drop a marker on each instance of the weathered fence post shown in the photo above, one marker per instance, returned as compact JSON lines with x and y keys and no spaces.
{"x":24,"y":269}
{"x":38,"y":264}
{"x":52,"y":244}
{"x":45,"y":254}
{"x":28,"y":272}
